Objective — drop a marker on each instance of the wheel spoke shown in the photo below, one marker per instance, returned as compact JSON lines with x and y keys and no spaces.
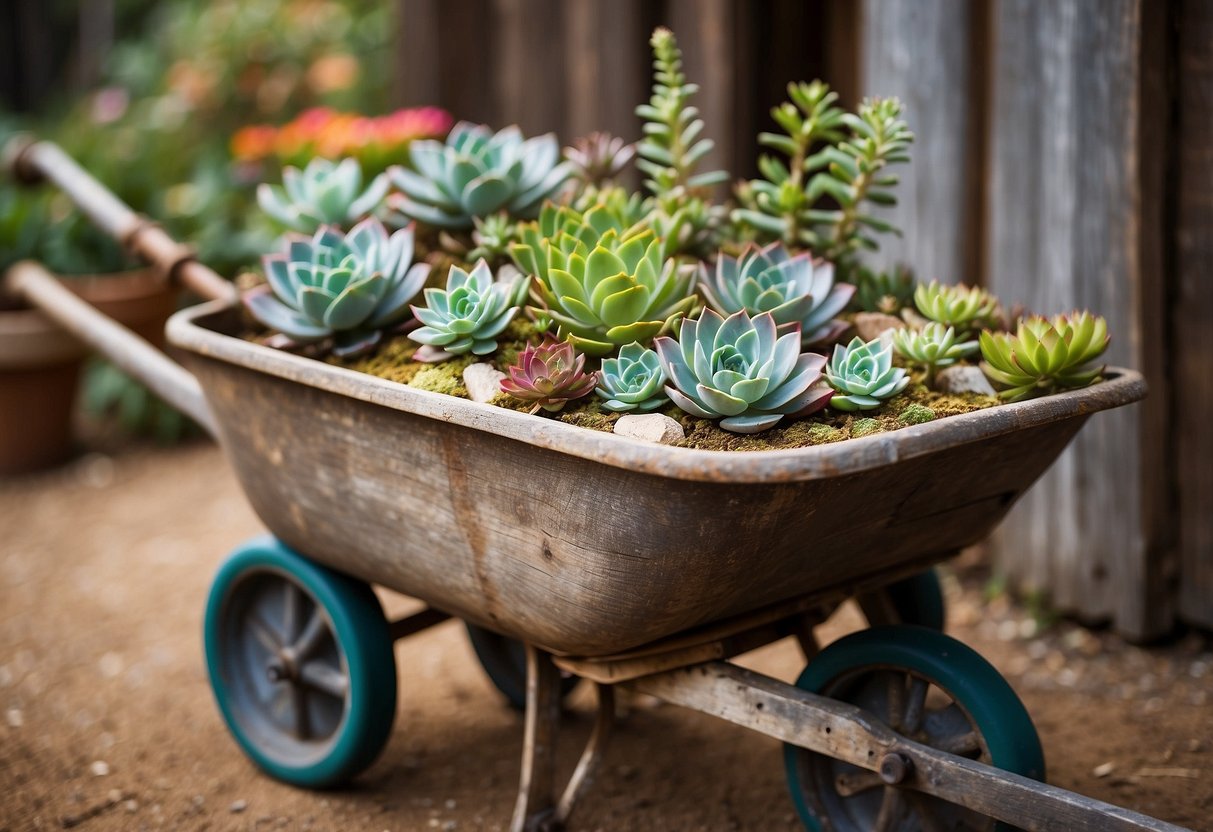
{"x":303,"y":722}
{"x":925,"y":811}
{"x":850,"y":783}
{"x":324,"y":679}
{"x":292,"y":601}
{"x":309,"y":639}
{"x":964,"y":744}
{"x":915,"y":701}
{"x":897,"y":699}
{"x":265,"y":633}
{"x":892,"y":807}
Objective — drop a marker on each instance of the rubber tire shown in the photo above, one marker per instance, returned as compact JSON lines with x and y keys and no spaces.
{"x":504,"y":661}
{"x":972,"y":682}
{"x":919,"y":600}
{"x":361,"y":631}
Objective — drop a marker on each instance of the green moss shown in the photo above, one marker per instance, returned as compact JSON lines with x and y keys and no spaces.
{"x":393,"y":361}
{"x":588,"y":413}
{"x":444,"y":377}
{"x":865,"y":427}
{"x":916,"y":414}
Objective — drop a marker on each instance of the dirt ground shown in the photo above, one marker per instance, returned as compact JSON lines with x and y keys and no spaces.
{"x":108,"y":722}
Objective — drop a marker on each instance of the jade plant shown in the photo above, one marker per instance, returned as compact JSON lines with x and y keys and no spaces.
{"x":634,"y":380}
{"x":964,"y":307}
{"x":477,"y":172}
{"x":863,"y":376}
{"x":932,"y":347}
{"x":468,"y":315}
{"x":1045,"y":356}
{"x":741,"y":371}
{"x":345,"y":287}
{"x":323,"y":193}
{"x":793,"y":288}
{"x":821,"y":197}
{"x":549,"y":375}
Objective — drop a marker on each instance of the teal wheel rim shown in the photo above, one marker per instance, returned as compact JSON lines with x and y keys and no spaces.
{"x":504,"y":662}
{"x":919,"y":600}
{"x":963,"y":705}
{"x":301,"y":665}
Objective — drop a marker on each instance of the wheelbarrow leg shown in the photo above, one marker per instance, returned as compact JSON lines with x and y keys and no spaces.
{"x":535,"y":810}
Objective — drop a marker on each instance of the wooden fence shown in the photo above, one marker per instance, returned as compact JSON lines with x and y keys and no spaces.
{"x":1062,"y":158}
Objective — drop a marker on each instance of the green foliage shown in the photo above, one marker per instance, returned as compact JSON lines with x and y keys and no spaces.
{"x":468,"y":315}
{"x":884,"y":291}
{"x":1045,"y":356}
{"x":934,"y":346}
{"x":323,"y":193}
{"x":477,"y":172}
{"x":863,"y":375}
{"x":549,"y":375}
{"x":916,"y":414}
{"x":796,"y":291}
{"x":963,"y":307}
{"x":346,"y":287}
{"x":741,"y":371}
{"x":493,"y":237}
{"x":632,"y":381}
{"x":790,"y":203}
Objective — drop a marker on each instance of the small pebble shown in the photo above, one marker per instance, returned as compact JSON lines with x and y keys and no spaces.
{"x":963,"y":378}
{"x":99,"y":768}
{"x":483,"y":382}
{"x":111,"y":665}
{"x":115,"y":796}
{"x":649,"y":427}
{"x":1103,"y":770}
{"x":238,"y":806}
{"x":131,"y":806}
{"x":14,"y":718}
{"x":450,"y":804}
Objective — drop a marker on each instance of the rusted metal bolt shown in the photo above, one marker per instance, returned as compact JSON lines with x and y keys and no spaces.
{"x":894,"y":768}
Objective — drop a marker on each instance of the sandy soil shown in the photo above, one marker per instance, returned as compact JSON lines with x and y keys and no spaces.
{"x":109,"y":723}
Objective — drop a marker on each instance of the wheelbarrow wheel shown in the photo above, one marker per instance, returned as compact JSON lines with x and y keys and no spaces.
{"x":929,"y":688}
{"x":301,"y":664}
{"x":504,"y":661}
{"x":919,"y":600}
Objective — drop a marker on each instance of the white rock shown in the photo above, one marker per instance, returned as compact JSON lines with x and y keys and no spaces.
{"x":963,"y":378}
{"x":872,"y":325}
{"x":650,"y":427}
{"x":483,"y":381}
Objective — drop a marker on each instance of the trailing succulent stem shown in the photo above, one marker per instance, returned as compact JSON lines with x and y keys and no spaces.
{"x":848,"y":169}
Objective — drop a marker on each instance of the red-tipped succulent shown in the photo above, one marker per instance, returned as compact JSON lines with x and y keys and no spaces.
{"x":549,"y":375}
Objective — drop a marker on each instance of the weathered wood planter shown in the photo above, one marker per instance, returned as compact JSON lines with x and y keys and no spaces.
{"x":626,"y":563}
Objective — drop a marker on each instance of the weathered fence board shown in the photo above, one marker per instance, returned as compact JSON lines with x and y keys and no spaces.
{"x":1191,"y":342}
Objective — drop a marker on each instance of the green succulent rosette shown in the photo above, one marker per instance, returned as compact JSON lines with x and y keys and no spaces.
{"x":468,"y":315}
{"x":634,"y":380}
{"x":863,"y":376}
{"x":1044,"y":356}
{"x":963,"y":307}
{"x":741,"y":371}
{"x":323,"y":193}
{"x":934,"y":346}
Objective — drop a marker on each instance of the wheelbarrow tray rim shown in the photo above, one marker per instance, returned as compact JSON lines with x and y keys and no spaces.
{"x":194,"y":329}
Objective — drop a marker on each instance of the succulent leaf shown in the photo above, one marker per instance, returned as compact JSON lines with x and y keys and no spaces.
{"x":346,"y":287}
{"x":863,"y":375}
{"x":742,"y":371}
{"x":632,"y":381}
{"x":934,"y":346}
{"x":549,"y":375}
{"x":324,"y":193}
{"x":468,"y":315}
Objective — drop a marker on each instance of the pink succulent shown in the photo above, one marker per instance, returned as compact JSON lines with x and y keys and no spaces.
{"x":550,"y":375}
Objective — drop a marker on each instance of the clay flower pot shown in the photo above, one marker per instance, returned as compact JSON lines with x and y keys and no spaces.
{"x":40,"y":363}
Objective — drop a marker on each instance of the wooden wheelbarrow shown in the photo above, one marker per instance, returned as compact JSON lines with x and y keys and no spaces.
{"x":574,"y":554}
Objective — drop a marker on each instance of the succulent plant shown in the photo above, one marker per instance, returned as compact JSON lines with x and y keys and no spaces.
{"x":883,"y":291}
{"x":323,"y":193}
{"x":602,"y":286}
{"x":477,"y":172}
{"x":468,"y":315}
{"x":933,"y":346}
{"x":549,"y":375}
{"x":599,"y":157}
{"x":493,"y":236}
{"x":742,"y":371}
{"x":632,"y":381}
{"x":1045,"y":355}
{"x":348,"y":287}
{"x":793,"y":288}
{"x":959,"y":306}
{"x":863,"y":375}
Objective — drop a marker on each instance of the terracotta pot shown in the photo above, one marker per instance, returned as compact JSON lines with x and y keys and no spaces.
{"x":40,"y":364}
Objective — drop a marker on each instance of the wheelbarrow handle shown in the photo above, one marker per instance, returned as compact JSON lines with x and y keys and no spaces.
{"x":33,"y":161}
{"x":165,"y":377}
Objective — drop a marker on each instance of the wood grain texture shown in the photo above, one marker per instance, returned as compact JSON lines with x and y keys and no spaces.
{"x":921,"y":51}
{"x":1074,"y":222}
{"x":1193,"y":311}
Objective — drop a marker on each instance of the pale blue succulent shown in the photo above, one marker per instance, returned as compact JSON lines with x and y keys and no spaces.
{"x":477,"y":172}
{"x":323,"y":193}
{"x":632,"y":381}
{"x":469,"y":314}
{"x":863,"y":376}
{"x":742,"y":371}
{"x":793,"y":288}
{"x":348,"y":287}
